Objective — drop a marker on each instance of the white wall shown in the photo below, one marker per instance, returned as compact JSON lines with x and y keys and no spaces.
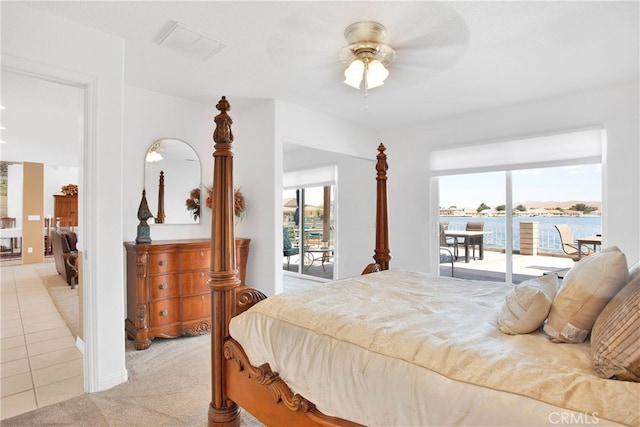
{"x":15,"y":179}
{"x":256,"y":160}
{"x":37,"y":42}
{"x":323,"y":132}
{"x":614,"y":108}
{"x":150,"y":116}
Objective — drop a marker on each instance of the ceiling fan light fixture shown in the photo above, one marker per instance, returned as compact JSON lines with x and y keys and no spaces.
{"x":376,"y":74}
{"x":354,"y":74}
{"x":153,"y":156}
{"x":371,"y":55}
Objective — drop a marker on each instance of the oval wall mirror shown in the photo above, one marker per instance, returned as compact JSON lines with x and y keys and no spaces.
{"x":171,"y":172}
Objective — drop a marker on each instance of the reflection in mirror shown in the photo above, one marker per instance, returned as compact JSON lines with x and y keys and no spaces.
{"x":172,"y":170}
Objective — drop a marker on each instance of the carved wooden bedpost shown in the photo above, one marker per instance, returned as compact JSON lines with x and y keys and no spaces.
{"x":161,"y":215}
{"x":382,"y":254}
{"x":223,"y":276}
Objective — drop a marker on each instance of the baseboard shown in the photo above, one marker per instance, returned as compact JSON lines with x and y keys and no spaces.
{"x":80,"y":344}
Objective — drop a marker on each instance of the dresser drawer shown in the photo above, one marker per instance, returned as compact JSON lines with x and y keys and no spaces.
{"x":194,"y":282}
{"x":164,"y":286}
{"x":196,"y":307}
{"x":164,"y":311}
{"x":163,"y":263}
{"x":195,"y":260}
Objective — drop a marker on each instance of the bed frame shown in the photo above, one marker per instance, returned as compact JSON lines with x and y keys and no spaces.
{"x":234,"y":381}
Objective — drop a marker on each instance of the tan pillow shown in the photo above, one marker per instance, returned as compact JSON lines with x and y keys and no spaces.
{"x":615,"y":339}
{"x":585,"y":290}
{"x":527,"y":305}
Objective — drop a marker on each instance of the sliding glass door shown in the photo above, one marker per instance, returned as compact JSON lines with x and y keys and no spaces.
{"x":308,"y":231}
{"x":517,"y":212}
{"x":472,"y":212}
{"x":547,"y":197}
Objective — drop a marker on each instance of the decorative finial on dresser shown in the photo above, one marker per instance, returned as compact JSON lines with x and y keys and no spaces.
{"x":144,"y":232}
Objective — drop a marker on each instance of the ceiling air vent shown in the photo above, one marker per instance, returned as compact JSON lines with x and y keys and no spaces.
{"x":191,"y":43}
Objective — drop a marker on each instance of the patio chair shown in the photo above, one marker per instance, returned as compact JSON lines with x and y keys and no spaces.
{"x":475,"y":240}
{"x":446,"y":256}
{"x":287,"y":247}
{"x":569,"y":246}
{"x":448,"y":242}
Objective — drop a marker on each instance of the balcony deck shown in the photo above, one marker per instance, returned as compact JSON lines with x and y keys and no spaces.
{"x":492,"y":267}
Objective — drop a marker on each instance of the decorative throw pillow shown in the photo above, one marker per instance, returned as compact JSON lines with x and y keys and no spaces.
{"x":615,"y":339}
{"x":585,"y":290}
{"x":527,"y":305}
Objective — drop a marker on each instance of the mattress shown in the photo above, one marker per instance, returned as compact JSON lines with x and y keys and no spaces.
{"x":408,"y":348}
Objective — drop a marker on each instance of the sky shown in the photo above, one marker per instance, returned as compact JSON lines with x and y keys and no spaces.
{"x":549,"y":184}
{"x":314,"y":195}
{"x":557,"y":184}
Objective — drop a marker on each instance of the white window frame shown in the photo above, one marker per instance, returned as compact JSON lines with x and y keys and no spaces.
{"x":576,"y":147}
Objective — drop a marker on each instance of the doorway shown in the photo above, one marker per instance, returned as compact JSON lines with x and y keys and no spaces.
{"x":45,"y":122}
{"x":309,"y":231}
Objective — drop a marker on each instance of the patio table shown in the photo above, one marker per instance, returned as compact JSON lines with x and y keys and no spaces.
{"x":466,"y":234}
{"x":325,"y":251}
{"x":594,"y":241}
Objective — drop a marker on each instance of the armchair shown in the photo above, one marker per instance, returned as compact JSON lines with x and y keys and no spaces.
{"x":63,"y":244}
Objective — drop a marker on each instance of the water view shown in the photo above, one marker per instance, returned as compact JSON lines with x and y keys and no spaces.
{"x":549,"y":238}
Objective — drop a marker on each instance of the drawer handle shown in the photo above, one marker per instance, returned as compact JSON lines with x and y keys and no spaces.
{"x":163,"y":286}
{"x":201,"y":297}
{"x":201,"y":253}
{"x":162,"y":263}
{"x":202,"y":274}
{"x":164,"y":312}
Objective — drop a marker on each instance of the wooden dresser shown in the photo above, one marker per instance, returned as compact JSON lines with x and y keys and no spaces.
{"x":66,"y":208}
{"x":167,"y":293}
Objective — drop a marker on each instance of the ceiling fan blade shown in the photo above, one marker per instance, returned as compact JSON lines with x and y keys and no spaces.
{"x":442,"y":57}
{"x":303,"y":44}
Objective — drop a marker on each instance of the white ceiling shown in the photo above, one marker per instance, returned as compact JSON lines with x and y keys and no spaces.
{"x":452,"y":57}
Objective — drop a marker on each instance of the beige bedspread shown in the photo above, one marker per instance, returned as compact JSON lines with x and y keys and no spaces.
{"x":445,"y":325}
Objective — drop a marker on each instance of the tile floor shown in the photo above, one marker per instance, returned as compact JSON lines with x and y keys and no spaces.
{"x":41,"y":364}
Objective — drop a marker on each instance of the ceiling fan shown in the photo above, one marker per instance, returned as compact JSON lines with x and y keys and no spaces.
{"x":367,"y":55}
{"x":414,"y":42}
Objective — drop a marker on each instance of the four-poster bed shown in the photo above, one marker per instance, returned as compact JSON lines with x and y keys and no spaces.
{"x":387,"y":348}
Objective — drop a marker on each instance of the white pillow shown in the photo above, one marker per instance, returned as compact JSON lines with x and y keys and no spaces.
{"x":585,"y":290}
{"x":527,"y":305}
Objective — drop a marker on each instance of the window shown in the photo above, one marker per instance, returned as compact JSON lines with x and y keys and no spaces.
{"x":516,"y":186}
